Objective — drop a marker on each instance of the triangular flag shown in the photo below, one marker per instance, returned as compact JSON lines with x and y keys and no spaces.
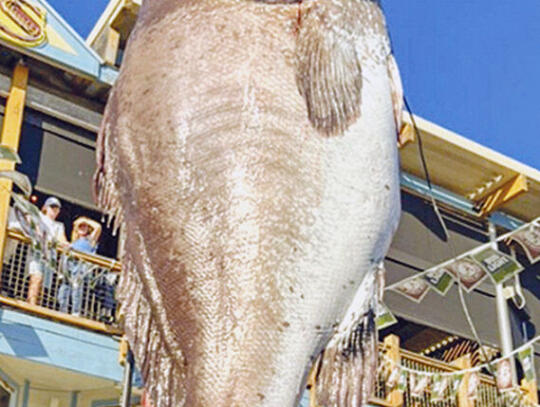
{"x":504,"y":376}
{"x":419,"y":384}
{"x":414,"y":289}
{"x":529,"y":239}
{"x":439,"y":385}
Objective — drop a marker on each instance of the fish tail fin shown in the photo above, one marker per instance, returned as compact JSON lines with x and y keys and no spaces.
{"x":347,"y":367}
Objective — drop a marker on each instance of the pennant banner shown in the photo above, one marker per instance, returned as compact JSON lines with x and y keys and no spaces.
{"x":529,"y":239}
{"x":474,"y":267}
{"x":499,"y":266}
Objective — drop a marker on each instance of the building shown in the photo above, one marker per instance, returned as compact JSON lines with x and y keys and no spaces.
{"x":53,"y":89}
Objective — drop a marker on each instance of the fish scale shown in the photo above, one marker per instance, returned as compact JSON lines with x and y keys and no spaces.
{"x":253,"y":227}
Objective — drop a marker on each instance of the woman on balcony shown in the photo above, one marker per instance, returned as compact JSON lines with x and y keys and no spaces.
{"x":84,"y":238}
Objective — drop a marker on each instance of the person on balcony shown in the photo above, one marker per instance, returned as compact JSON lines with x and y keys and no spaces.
{"x":84,"y":238}
{"x":40,"y":273}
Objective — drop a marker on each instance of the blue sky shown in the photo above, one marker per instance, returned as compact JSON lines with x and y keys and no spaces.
{"x":472,"y":66}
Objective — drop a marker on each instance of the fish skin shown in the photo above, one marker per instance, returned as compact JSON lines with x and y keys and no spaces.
{"x":248,"y":231}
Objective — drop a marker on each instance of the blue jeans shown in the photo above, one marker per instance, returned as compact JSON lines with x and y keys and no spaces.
{"x":75,"y":291}
{"x":72,"y":288}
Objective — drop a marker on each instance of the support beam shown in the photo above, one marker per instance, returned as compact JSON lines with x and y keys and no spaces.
{"x":112,"y":44}
{"x":406,"y":135}
{"x":10,"y":136}
{"x":502,"y":195}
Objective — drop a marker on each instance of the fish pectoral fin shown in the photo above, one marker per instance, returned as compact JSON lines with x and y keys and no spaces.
{"x":347,"y":366}
{"x":328,"y":70}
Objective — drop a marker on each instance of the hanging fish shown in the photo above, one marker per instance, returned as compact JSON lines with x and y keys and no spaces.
{"x":248,"y":150}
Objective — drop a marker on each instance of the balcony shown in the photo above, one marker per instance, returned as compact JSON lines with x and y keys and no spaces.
{"x":94,"y":288}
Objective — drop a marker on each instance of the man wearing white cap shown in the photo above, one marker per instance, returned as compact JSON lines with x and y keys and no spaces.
{"x":39,"y":274}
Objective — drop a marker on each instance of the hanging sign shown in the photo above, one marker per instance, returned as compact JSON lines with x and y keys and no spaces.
{"x":499,"y":266}
{"x":22,"y":23}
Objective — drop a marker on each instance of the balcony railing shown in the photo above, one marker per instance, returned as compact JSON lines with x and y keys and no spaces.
{"x":80,"y":289}
{"x":487,"y":394}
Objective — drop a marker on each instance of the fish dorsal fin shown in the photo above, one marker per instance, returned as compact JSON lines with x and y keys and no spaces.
{"x":329,"y":74}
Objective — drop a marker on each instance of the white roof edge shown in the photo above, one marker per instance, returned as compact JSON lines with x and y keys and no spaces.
{"x":474,"y":147}
{"x":112,"y":8}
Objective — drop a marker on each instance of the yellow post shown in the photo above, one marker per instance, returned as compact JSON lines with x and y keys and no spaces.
{"x":10,"y":136}
{"x":123,"y":351}
{"x":391,"y":347}
{"x":463,"y":399}
{"x":531,"y":391}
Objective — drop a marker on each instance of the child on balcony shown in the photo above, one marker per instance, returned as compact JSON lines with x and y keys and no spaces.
{"x":84,"y":239}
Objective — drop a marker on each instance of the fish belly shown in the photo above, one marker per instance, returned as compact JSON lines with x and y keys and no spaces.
{"x":247,"y":233}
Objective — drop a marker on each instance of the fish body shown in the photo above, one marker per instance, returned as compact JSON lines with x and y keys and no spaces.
{"x":253,"y":220}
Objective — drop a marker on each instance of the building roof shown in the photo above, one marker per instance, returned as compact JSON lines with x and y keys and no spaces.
{"x":469,"y":169}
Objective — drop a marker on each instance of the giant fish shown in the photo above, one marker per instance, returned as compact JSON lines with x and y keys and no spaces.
{"x":248,"y":152}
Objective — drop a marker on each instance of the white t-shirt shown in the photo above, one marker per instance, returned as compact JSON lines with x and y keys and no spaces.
{"x":56,"y":229}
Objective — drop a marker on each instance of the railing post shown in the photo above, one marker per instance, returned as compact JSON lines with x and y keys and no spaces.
{"x":531,"y":390}
{"x":10,"y":136}
{"x":391,"y":347}
{"x":311,"y":384}
{"x":463,"y":399}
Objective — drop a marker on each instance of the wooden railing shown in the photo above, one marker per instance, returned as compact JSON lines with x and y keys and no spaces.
{"x":85,"y":297}
{"x":488,"y":394}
